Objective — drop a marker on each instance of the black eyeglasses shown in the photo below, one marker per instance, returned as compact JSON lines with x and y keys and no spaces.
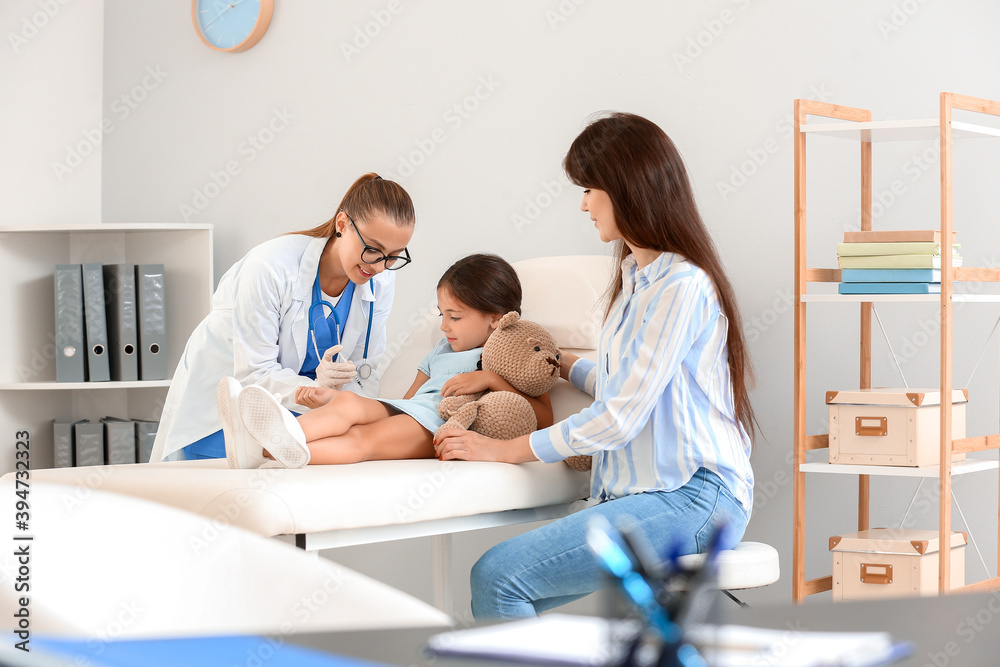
{"x":372,"y":255}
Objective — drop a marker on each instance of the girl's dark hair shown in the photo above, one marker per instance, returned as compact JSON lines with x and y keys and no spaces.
{"x":637,"y":164}
{"x":483,"y":282}
{"x":371,"y":194}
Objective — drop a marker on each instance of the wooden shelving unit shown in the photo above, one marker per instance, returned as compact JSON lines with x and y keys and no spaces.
{"x":857,"y":125}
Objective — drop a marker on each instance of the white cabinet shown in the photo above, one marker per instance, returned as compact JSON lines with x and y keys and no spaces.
{"x":30,"y":397}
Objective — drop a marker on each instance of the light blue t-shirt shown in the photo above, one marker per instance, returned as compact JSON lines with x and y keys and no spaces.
{"x":441,"y":364}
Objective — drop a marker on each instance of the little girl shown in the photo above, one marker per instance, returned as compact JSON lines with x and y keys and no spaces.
{"x":473,"y":295}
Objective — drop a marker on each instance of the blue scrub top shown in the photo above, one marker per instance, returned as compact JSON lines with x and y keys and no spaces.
{"x":325,"y":328}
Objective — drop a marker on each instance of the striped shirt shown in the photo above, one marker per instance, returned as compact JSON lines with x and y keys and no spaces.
{"x":664,"y":400}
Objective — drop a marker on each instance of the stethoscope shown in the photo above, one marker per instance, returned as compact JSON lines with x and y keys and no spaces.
{"x":365,"y":369}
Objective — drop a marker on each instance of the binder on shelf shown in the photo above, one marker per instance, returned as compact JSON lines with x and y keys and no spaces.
{"x":119,"y":296}
{"x":149,"y":284}
{"x":145,"y":435}
{"x":70,"y":351}
{"x":63,"y":455}
{"x":119,"y":440}
{"x":88,"y":443}
{"x":96,"y":327}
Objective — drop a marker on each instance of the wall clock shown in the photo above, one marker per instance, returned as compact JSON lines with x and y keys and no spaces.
{"x":231,"y":26}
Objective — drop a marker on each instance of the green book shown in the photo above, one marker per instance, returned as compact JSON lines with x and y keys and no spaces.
{"x":857,"y":249}
{"x":895,"y":262}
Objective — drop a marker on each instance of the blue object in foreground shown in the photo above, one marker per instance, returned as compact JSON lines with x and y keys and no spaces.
{"x":189,"y":652}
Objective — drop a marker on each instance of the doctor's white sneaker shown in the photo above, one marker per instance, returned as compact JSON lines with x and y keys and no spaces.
{"x":240,"y":452}
{"x":270,"y":426}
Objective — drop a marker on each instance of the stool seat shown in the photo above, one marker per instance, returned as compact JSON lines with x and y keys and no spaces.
{"x":749,"y":565}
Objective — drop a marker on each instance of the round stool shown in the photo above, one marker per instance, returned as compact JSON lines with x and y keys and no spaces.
{"x":749,"y":565}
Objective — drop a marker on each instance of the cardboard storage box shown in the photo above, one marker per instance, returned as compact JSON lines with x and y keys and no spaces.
{"x":892,"y":562}
{"x":891,"y":427}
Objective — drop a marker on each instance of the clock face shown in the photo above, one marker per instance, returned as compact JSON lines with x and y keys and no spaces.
{"x":233,"y":26}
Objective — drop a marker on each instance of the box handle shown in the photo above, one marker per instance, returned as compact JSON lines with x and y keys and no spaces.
{"x":876,"y":573}
{"x":865,"y":425}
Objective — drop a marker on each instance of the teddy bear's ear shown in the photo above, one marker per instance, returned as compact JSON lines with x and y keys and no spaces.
{"x":509,"y":319}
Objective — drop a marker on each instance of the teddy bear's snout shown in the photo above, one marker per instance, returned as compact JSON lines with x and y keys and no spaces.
{"x":553,"y":362}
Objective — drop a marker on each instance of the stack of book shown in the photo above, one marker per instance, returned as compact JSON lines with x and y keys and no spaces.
{"x":892,"y":262}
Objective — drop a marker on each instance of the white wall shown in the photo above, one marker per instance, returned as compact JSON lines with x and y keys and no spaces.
{"x":719,"y":77}
{"x":50,"y":111}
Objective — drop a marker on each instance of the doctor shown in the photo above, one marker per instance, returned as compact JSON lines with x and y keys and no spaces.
{"x":306,"y":308}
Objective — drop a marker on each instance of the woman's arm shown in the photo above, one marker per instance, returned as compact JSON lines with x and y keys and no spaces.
{"x":674,"y":314}
{"x":476,"y":381}
{"x":566,"y":361}
{"x":472,"y":446}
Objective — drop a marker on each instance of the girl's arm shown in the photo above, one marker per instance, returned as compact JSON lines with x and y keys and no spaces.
{"x":476,"y":381}
{"x":418,"y":382}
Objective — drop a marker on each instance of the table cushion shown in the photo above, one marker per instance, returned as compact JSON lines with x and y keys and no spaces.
{"x":274,"y":501}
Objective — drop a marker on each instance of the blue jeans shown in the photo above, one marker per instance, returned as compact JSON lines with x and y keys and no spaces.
{"x":552,"y":565}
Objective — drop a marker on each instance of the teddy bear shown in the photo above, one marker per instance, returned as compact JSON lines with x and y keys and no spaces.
{"x":524,"y":354}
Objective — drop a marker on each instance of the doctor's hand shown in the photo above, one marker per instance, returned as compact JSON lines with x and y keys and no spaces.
{"x":330,"y":373}
{"x":472,"y":446}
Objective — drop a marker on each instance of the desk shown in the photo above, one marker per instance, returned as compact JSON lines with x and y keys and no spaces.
{"x":949,"y":631}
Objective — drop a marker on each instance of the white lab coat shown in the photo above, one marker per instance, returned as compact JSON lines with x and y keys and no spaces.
{"x":257,"y":332}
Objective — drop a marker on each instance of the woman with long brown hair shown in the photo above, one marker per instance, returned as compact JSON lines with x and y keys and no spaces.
{"x":670,"y":427}
{"x":308,"y":308}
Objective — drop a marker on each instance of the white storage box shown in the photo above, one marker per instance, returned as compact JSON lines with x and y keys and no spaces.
{"x":891,"y":427}
{"x":892,"y":562}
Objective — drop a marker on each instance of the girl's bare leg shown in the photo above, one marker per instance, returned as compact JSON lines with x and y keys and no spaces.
{"x":395,"y":437}
{"x":340,"y":414}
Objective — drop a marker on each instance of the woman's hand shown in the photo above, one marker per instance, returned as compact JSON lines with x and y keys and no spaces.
{"x":472,"y":446}
{"x":566,"y":361}
{"x":469,"y":383}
